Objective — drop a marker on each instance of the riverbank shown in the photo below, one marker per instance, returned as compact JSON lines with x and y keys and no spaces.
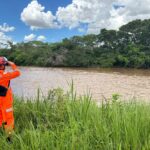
{"x":63,"y":121}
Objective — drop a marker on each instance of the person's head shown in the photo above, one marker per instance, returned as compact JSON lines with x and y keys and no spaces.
{"x":3,"y":63}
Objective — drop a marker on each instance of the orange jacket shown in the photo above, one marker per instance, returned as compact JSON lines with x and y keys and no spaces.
{"x":5,"y":78}
{"x":7,"y":101}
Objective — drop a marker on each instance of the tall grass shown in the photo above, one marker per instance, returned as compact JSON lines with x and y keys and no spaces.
{"x":64,"y":122}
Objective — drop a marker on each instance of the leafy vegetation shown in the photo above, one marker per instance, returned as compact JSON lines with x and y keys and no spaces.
{"x":63,"y":121}
{"x":127,"y":47}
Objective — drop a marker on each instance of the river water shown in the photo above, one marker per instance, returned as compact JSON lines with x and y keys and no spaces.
{"x":129,"y":83}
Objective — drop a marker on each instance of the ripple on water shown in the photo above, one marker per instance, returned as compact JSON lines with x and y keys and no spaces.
{"x":100,"y":82}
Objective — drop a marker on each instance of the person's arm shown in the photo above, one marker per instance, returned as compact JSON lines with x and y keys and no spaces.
{"x":13,"y":66}
{"x":10,"y":75}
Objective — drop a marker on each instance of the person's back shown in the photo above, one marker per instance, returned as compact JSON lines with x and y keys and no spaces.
{"x":6,"y":97}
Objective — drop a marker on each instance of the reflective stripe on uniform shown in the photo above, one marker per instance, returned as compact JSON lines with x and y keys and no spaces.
{"x":9,"y":109}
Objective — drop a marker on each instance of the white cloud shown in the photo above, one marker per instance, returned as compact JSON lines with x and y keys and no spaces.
{"x":41,"y":38}
{"x":96,"y":14}
{"x":6,"y":28}
{"x":4,"y":40}
{"x":100,"y":14}
{"x":33,"y":37}
{"x":30,"y":37}
{"x":139,"y":9}
{"x":34,"y":16}
{"x":3,"y":37}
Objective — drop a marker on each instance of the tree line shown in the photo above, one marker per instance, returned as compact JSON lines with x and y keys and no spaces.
{"x":127,"y":47}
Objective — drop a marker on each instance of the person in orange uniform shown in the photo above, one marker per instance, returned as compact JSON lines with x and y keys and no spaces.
{"x":6,"y":96}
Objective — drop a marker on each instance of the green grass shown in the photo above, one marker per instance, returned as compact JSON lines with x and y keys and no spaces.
{"x":64,"y":122}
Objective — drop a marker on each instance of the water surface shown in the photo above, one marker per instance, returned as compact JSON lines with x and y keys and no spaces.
{"x":129,"y":83}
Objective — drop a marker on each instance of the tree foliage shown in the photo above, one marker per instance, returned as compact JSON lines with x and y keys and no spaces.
{"x":127,"y":47}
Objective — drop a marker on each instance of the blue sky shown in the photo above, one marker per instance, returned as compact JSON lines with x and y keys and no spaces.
{"x":10,"y":11}
{"x":51,"y":21}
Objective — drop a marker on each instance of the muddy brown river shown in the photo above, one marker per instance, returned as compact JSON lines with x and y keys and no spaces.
{"x":129,"y":83}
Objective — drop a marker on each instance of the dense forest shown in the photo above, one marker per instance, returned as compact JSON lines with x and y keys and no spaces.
{"x":127,"y":47}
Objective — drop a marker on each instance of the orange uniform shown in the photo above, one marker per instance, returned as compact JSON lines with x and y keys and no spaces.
{"x":6,"y":102}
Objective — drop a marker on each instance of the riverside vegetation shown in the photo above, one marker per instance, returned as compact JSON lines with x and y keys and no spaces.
{"x":127,"y":47}
{"x":67,"y":122}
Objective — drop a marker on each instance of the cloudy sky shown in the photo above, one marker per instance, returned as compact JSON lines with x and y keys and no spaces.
{"x":51,"y":21}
